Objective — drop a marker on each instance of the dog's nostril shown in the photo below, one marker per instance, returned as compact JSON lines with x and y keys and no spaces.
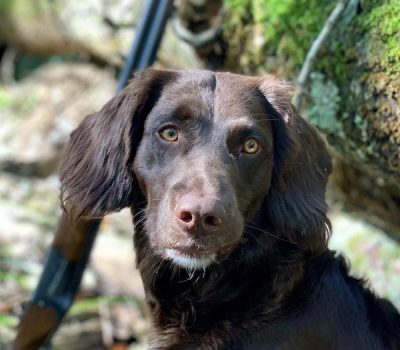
{"x":186,"y":216}
{"x":212,"y":220}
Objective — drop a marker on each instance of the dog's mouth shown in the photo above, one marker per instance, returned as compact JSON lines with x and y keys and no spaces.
{"x":190,"y":260}
{"x":192,"y":247}
{"x":195,"y":257}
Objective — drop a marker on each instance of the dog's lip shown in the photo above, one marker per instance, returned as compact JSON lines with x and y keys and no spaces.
{"x":190,"y":261}
{"x":190,"y":251}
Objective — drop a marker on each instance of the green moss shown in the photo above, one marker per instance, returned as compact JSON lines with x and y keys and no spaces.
{"x":383,"y":24}
{"x":275,"y":35}
{"x":363,"y":60}
{"x":353,"y":97}
{"x":373,"y":35}
{"x":281,"y":30}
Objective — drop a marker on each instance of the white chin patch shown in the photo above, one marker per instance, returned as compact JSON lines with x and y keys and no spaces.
{"x":188,"y":261}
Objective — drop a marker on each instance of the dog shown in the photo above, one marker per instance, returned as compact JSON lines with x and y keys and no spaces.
{"x":226,"y":183}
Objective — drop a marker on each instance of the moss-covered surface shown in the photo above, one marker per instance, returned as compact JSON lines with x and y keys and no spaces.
{"x":363,"y":61}
{"x":354,"y":91}
{"x":354,"y":88}
{"x":272,"y":35}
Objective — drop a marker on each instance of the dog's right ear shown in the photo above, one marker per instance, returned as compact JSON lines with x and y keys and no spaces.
{"x":295,"y":206}
{"x":97,"y":171}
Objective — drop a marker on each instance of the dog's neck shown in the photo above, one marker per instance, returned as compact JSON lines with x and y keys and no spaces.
{"x":196,"y":299}
{"x":262,"y":273}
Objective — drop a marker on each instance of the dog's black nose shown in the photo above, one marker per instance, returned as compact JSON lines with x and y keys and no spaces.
{"x":195,"y":212}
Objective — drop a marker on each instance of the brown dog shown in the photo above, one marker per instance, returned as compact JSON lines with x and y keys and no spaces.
{"x":227,"y":184}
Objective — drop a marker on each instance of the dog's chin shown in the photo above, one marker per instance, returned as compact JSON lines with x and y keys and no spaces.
{"x":192,"y":262}
{"x":186,"y":252}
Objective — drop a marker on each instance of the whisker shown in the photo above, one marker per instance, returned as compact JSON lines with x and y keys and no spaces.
{"x":140,"y":212}
{"x":257,"y":240}
{"x":270,"y":234}
{"x":247,"y":201}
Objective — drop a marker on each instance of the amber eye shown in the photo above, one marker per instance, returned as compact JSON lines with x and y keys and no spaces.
{"x":169,"y":134}
{"x":250,"y":146}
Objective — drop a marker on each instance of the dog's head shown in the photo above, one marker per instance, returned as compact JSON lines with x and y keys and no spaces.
{"x":209,"y":152}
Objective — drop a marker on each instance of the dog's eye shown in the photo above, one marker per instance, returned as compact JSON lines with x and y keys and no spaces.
{"x":250,"y":146}
{"x":169,"y":134}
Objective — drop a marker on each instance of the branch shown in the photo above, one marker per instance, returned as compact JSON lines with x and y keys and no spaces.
{"x":7,"y":66}
{"x":315,"y":47}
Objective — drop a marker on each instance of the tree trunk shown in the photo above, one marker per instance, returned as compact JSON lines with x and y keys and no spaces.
{"x":47,"y":27}
{"x":102,"y":30}
{"x":353,"y":92}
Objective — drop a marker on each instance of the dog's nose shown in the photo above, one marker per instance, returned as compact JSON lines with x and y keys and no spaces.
{"x":196,"y":212}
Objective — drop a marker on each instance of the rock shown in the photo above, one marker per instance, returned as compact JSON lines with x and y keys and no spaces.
{"x":42,"y":110}
{"x":353,"y":92}
{"x":103,"y":29}
{"x":372,"y":254}
{"x":113,"y":257}
{"x":28,"y":211}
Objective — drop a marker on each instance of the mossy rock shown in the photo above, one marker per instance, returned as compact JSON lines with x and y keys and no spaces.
{"x":365,"y":54}
{"x":354,"y":89}
{"x":354,"y":92}
{"x":272,"y":35}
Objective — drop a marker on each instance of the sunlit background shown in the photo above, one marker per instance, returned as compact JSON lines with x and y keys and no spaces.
{"x":59,"y":61}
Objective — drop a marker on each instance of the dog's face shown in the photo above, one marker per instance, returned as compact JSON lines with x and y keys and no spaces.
{"x":204,"y":164}
{"x":208,"y":152}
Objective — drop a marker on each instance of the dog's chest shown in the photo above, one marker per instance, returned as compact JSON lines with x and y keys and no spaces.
{"x":208,"y":328}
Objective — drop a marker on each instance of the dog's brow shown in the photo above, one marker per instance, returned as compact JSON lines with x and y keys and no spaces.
{"x":184,"y":111}
{"x":242,"y":122}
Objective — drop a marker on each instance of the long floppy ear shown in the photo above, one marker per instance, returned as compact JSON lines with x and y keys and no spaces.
{"x":295,"y":206}
{"x":97,"y":173}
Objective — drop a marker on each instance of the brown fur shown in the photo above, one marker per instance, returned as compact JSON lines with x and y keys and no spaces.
{"x":274,"y":284}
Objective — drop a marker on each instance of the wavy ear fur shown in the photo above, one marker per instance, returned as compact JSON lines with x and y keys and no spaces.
{"x":295,"y":206}
{"x":97,"y":173}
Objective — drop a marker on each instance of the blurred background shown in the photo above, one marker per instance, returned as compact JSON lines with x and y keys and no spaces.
{"x":59,"y":61}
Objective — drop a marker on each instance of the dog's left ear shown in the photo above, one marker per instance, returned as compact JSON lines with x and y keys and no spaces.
{"x":295,"y":206}
{"x":97,"y":169}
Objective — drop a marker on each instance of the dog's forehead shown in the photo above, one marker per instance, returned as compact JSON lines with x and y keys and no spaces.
{"x":237,"y":96}
{"x":217,"y":95}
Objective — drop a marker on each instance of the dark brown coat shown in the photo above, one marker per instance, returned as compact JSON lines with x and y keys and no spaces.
{"x":231,"y":244}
